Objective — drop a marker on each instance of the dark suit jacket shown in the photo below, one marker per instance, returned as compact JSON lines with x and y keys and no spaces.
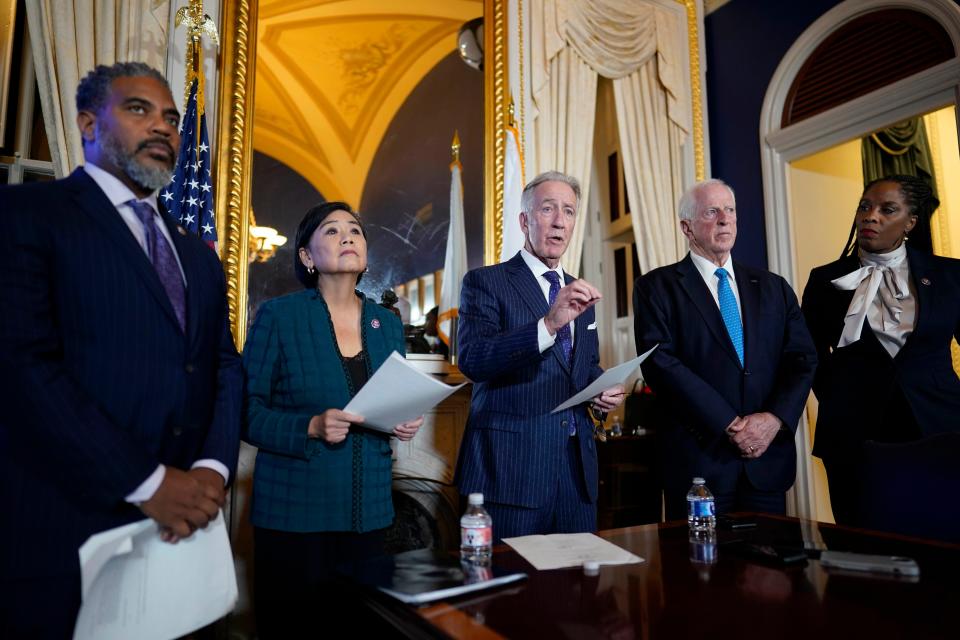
{"x":700,"y":384}
{"x":513,"y":447}
{"x":98,"y":384}
{"x":852,"y":382}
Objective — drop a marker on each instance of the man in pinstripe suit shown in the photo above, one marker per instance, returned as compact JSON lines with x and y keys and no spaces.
{"x":528,"y":344}
{"x":119,"y":381}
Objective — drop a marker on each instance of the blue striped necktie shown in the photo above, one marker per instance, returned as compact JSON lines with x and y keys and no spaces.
{"x":563,"y":333}
{"x":729,"y":311}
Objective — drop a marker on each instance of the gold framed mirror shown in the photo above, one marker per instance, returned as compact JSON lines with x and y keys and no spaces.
{"x":235,"y":142}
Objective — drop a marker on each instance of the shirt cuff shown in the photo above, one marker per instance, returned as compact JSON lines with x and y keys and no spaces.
{"x":544,"y":339}
{"x":216,"y":465}
{"x":148,"y":487}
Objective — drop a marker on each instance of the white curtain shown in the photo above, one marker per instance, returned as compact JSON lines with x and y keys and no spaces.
{"x":71,"y":37}
{"x":563,"y":133}
{"x":654,"y":178}
{"x":641,"y":46}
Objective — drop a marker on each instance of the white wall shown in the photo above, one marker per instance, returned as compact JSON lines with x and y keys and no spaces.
{"x":824,"y":190}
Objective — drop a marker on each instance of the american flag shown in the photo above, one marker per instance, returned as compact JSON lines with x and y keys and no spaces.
{"x":189,"y":196}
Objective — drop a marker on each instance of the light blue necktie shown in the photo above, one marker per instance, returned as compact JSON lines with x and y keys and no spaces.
{"x":729,"y":311}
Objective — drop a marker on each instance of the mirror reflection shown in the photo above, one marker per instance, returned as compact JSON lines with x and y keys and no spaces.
{"x":360,"y":102}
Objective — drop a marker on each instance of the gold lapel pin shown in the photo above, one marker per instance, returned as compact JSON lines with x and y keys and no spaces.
{"x":925,"y":281}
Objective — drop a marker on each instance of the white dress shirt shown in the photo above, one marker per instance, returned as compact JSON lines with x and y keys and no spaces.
{"x":708,"y":270}
{"x":544,"y":339}
{"x":119,"y":195}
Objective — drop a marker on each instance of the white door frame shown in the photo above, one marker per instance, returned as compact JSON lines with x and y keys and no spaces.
{"x":926,"y":91}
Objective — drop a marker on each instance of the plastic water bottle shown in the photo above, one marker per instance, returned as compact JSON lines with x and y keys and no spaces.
{"x":703,"y":547}
{"x":617,"y":429}
{"x":476,"y":531}
{"x":701,"y":510}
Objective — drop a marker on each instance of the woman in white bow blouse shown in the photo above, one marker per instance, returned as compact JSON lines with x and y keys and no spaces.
{"x":882,"y":318}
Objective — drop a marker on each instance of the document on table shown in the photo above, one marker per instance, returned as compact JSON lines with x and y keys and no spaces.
{"x":610,"y":377}
{"x":397,"y":392}
{"x":561,"y":550}
{"x":134,"y":585}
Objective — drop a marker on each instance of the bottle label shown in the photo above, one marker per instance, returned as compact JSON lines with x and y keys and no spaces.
{"x":702,"y":508}
{"x":476,"y":536}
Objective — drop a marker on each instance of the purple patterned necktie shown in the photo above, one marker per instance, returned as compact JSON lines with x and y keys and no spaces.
{"x":563,"y":333}
{"x":161,"y":255}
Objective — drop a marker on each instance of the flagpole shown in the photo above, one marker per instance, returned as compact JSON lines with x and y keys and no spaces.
{"x":455,"y":261}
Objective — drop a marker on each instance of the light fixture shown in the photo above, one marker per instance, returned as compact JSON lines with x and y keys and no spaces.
{"x":263,"y":241}
{"x":470,"y":43}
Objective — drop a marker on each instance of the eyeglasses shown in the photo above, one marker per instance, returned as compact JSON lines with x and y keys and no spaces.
{"x":711,"y":213}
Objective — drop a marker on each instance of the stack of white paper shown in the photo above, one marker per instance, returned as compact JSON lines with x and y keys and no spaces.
{"x":397,"y":392}
{"x":137,"y":586}
{"x":613,"y":376}
{"x":560,"y":550}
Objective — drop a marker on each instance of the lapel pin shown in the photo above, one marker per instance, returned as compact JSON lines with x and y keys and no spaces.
{"x":375,"y":323}
{"x":925,"y":281}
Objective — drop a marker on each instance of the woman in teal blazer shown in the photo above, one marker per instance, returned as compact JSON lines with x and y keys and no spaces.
{"x":322,"y":483}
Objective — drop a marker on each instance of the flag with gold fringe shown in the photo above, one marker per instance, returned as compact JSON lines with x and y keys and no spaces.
{"x":455,"y":262}
{"x":513,"y":181}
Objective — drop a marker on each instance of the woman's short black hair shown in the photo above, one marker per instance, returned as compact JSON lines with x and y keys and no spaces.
{"x":313,"y":219}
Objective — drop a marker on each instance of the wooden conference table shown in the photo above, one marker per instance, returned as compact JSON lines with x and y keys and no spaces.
{"x":675,"y":595}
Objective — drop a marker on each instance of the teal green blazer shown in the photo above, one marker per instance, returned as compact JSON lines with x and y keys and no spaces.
{"x":293,"y":372}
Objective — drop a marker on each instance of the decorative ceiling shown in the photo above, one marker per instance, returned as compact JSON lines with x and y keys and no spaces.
{"x":332,"y":74}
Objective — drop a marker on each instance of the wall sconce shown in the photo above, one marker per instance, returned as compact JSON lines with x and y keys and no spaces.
{"x":263,"y":241}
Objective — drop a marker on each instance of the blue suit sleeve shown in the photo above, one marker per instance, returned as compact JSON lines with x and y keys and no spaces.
{"x":223,"y":436}
{"x":487,"y":350}
{"x":798,"y":362}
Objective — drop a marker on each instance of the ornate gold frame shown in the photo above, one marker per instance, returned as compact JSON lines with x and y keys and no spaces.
{"x":238,"y":56}
{"x":494,"y":124}
{"x":696,"y":89}
{"x":235,"y":135}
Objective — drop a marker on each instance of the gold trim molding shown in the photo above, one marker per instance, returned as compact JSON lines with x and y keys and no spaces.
{"x":234,"y":152}
{"x":696,"y":89}
{"x":494,"y":124}
{"x":235,"y":138}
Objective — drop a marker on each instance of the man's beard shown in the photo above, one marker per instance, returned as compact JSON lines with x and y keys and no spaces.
{"x":150,"y":178}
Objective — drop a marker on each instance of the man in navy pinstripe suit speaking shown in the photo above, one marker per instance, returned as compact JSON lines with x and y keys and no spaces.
{"x":528,"y":341}
{"x":119,"y":381}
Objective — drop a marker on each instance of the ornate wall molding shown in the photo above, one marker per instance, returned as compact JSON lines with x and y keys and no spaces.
{"x":696,"y":89}
{"x":494,"y":125}
{"x":234,"y":152}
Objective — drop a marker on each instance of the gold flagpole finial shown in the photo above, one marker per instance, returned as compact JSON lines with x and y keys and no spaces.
{"x":455,"y":147}
{"x":198,"y":24}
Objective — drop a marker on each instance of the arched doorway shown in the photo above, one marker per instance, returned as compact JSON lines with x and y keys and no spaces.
{"x":881,"y":88}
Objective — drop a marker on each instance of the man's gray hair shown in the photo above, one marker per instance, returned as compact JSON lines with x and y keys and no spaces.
{"x":526,"y":198}
{"x":93,"y":90}
{"x":690,"y":197}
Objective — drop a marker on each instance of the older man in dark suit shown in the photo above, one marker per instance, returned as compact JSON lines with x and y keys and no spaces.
{"x":733,"y":369}
{"x":529,"y":343}
{"x":119,"y":381}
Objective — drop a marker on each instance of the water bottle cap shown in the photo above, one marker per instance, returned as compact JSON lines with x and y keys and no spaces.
{"x":591,"y":568}
{"x":698,"y":481}
{"x":475,"y":498}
